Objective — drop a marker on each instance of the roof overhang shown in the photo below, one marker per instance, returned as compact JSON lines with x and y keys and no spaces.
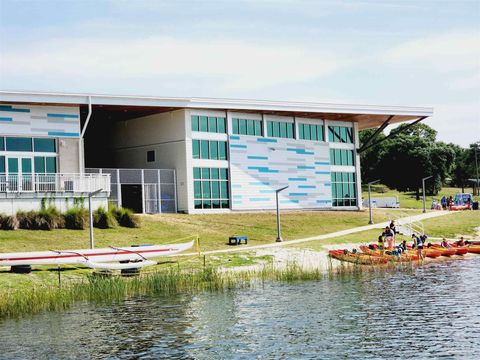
{"x":367,"y":116}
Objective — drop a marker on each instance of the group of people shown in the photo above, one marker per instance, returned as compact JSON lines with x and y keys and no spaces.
{"x":387,"y":237}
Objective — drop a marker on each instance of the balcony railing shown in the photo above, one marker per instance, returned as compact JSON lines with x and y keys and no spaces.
{"x":68,"y":183}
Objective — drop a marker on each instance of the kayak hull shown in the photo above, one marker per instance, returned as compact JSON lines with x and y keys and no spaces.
{"x":85,"y":256}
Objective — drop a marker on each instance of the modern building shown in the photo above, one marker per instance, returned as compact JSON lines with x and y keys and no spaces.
{"x":227,"y":155}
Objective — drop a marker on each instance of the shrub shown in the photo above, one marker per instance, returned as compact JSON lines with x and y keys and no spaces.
{"x":49,"y":219}
{"x":27,"y":220}
{"x":45,"y":219}
{"x":126,"y":217}
{"x":104,"y":219}
{"x":76,"y":218}
{"x":8,"y":222}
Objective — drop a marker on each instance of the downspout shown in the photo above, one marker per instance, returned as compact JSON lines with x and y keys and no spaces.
{"x":81,"y":155}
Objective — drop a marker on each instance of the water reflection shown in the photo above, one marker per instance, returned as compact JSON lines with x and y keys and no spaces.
{"x":428,"y":312}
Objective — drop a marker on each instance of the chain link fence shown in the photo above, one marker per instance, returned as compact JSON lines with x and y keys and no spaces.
{"x":158,"y":187}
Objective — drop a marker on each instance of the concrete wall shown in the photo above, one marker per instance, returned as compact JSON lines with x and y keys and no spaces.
{"x":163,"y":133}
{"x":68,"y":159}
{"x":26,"y":202}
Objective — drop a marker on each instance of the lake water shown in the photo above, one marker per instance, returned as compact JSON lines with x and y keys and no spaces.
{"x":430,"y":312}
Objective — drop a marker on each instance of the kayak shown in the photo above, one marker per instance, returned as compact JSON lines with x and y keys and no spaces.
{"x":95,"y":258}
{"x":459,"y":250}
{"x":356,"y":258}
{"x":474,"y":249}
{"x":403,"y":257}
{"x":444,"y":251}
{"x":426,"y":252}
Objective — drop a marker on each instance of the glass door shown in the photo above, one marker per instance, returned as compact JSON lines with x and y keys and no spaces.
{"x":20,"y":174}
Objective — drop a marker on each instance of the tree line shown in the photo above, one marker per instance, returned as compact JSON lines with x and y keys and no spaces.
{"x":401,"y":161}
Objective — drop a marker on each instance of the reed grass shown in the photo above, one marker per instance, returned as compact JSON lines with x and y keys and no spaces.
{"x":173,"y":280}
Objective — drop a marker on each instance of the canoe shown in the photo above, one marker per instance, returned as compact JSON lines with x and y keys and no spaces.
{"x":404,"y":257}
{"x":92,"y":257}
{"x":356,"y":258}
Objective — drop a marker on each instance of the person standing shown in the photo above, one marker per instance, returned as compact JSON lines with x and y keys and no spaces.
{"x":389,"y":237}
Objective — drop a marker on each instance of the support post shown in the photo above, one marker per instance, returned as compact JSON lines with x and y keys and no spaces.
{"x":143,"y":191}
{"x":279,"y":235}
{"x":423,"y":189}
{"x":477,"y":191}
{"x":119,"y":189}
{"x":90,"y":214}
{"x":370,"y":221}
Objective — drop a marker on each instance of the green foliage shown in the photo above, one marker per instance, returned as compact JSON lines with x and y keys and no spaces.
{"x":8,"y":222}
{"x":76,"y":219}
{"x":49,"y":219}
{"x":79,"y":202}
{"x":401,"y":161}
{"x":45,"y":219}
{"x":126,"y":217}
{"x":27,"y":219}
{"x":104,"y":219}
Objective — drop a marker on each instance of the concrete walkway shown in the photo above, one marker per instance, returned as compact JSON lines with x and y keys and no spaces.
{"x":405,"y":220}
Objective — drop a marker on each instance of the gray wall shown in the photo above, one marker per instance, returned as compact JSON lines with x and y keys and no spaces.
{"x":165,"y":134}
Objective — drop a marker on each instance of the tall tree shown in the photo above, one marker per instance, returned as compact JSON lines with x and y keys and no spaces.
{"x":403,"y":160}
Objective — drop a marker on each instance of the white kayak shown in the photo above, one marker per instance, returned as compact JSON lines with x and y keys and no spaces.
{"x":95,"y":258}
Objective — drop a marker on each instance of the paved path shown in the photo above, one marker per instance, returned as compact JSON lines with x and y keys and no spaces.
{"x":405,"y":220}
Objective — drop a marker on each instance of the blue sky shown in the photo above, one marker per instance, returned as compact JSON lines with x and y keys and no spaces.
{"x":367,"y":52}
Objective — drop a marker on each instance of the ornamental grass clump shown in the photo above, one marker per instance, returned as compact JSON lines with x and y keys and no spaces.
{"x":8,"y":222}
{"x":125,"y":217}
{"x":104,"y":219}
{"x":76,"y":219}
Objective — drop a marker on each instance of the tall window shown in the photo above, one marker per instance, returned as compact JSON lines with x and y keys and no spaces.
{"x":340,"y":134}
{"x":24,"y":153}
{"x":209,"y":149}
{"x":247,"y":127}
{"x":280,"y":129}
{"x":209,"y":124}
{"x":211,"y":188}
{"x":310,"y":132}
{"x":343,"y":189}
{"x":342,"y":157}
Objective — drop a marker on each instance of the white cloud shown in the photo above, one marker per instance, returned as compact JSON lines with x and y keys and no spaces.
{"x":237,"y":64}
{"x":459,"y":123}
{"x":451,"y":52}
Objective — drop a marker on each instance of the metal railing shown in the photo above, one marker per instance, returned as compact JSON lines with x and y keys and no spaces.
{"x":410,"y":227}
{"x":73,"y":183}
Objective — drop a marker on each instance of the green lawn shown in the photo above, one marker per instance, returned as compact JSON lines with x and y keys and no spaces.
{"x":213,"y":229}
{"x":408,"y":199}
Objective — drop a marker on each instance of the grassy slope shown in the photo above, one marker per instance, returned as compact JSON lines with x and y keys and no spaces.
{"x":408,"y":199}
{"x":213,"y":230}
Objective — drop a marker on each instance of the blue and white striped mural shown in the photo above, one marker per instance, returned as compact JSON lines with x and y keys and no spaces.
{"x":31,"y":120}
{"x":258,"y":166}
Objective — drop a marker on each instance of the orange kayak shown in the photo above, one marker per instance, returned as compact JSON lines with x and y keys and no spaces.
{"x":404,"y":257}
{"x":445,"y":251}
{"x":363,"y":259}
{"x":474,"y":249}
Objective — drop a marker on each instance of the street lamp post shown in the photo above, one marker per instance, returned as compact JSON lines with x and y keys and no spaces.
{"x":370,"y":221}
{"x":279,"y":236}
{"x":90,"y":214}
{"x":423,"y":189}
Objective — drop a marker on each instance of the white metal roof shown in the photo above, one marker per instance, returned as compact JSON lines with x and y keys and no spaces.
{"x":365,"y":113}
